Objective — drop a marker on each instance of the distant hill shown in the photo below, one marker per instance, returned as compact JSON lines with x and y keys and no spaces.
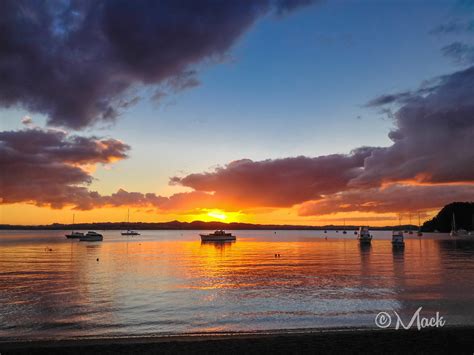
{"x":463,"y":211}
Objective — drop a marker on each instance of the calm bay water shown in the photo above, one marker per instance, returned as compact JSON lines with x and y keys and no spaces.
{"x":166,"y":282}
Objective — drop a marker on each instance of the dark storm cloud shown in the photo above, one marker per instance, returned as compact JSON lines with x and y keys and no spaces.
{"x":433,"y":139}
{"x":45,"y":167}
{"x":52,"y":168}
{"x":74,"y":61}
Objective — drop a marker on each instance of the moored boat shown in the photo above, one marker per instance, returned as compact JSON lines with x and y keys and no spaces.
{"x":409,"y":224}
{"x":130,"y":232}
{"x":217,"y":236}
{"x":460,"y":233}
{"x":73,"y":234}
{"x":419,"y":233}
{"x":364,"y":236}
{"x":398,"y":239}
{"x":457,"y":232}
{"x":91,"y":237}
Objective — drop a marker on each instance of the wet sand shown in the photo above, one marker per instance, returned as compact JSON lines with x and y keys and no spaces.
{"x":459,"y":340}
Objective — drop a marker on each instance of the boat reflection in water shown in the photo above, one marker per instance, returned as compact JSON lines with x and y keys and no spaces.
{"x":223,"y":245}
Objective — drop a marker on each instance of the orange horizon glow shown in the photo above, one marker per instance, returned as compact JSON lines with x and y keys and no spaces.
{"x":25,"y":214}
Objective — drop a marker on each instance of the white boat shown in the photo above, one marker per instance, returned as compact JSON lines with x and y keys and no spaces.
{"x":91,"y":237}
{"x":129,"y":231}
{"x":73,"y":234}
{"x":457,"y":232}
{"x":217,"y":236}
{"x":460,"y":233}
{"x":364,"y":236}
{"x":397,"y":239}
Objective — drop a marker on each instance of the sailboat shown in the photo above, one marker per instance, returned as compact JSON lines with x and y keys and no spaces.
{"x":457,"y":232}
{"x":129,"y":231}
{"x":419,"y":233}
{"x":73,"y":234}
{"x":397,"y":235}
{"x":409,"y":226}
{"x":344,"y":231}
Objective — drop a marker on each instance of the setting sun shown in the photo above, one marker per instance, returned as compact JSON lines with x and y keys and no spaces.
{"x":217,"y":214}
{"x":210,"y":215}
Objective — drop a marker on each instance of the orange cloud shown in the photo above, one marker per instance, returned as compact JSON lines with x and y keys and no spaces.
{"x":394,"y":198}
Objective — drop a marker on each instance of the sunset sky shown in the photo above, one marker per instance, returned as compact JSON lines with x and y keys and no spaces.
{"x":283,"y":112}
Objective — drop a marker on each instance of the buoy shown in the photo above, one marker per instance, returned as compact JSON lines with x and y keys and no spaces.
{"x":97,"y":259}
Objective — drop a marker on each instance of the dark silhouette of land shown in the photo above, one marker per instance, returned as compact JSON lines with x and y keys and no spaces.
{"x":463,"y":211}
{"x":196,"y":225}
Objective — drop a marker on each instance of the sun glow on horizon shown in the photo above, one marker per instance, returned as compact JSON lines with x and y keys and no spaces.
{"x":24,"y":214}
{"x":210,"y":215}
{"x":217,"y":214}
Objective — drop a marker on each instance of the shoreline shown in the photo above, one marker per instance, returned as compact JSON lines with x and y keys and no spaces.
{"x":433,"y":340}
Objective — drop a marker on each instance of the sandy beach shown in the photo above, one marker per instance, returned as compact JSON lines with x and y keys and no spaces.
{"x":441,"y":341}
